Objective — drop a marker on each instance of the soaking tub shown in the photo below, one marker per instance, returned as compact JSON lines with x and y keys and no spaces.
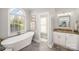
{"x":18,"y":42}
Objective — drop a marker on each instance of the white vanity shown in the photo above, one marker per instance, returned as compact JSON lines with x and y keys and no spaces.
{"x":67,"y":40}
{"x":65,"y":34}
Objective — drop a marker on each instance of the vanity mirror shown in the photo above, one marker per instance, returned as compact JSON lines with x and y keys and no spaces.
{"x":64,"y":21}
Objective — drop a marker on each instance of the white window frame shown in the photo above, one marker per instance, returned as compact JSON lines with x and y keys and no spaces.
{"x":9,"y":30}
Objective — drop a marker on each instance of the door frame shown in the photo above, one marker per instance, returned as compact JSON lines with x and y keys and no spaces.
{"x":44,"y":14}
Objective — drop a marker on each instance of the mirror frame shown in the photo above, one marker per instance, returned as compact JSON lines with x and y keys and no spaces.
{"x":69,"y":22}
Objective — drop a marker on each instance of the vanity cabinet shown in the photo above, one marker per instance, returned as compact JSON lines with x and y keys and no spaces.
{"x":59,"y":38}
{"x":66,"y":40}
{"x":72,"y":41}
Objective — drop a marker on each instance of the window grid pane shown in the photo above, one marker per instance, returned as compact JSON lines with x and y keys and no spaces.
{"x":16,"y":21}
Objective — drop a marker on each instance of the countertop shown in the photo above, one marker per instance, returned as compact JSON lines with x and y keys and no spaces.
{"x":67,"y":31}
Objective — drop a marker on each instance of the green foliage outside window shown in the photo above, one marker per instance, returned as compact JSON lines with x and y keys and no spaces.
{"x":18,"y":24}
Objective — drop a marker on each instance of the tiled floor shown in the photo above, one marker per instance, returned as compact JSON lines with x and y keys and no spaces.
{"x":42,"y":47}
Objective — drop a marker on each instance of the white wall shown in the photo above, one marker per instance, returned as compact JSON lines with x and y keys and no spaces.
{"x":3,"y":22}
{"x":27,"y":14}
{"x":0,"y":22}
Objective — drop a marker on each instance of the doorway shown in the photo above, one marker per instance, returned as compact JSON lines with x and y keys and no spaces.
{"x":43,"y":28}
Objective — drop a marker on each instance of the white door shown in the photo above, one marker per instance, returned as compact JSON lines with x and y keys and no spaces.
{"x":43,"y":27}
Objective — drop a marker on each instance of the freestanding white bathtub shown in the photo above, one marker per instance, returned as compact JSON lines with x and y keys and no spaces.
{"x":18,"y":42}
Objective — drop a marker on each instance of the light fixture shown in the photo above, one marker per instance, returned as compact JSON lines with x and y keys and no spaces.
{"x":64,"y":14}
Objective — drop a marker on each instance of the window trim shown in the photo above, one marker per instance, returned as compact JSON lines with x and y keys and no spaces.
{"x":9,"y":30}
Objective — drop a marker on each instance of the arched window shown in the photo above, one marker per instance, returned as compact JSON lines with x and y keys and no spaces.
{"x":17,"y":20}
